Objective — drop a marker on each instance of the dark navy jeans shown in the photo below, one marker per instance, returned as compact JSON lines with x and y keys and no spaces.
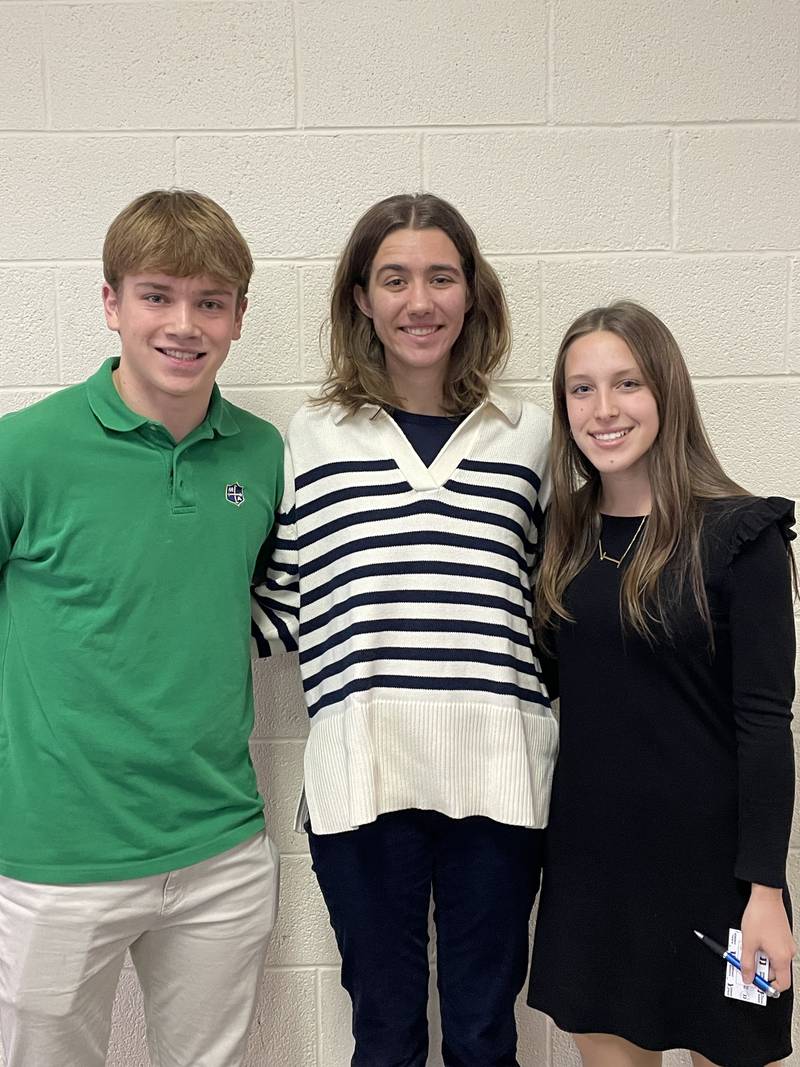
{"x":377,"y":882}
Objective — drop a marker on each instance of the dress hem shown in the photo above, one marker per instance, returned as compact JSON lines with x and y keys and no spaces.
{"x":666,"y":1046}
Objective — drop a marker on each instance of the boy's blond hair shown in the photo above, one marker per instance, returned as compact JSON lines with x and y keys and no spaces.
{"x":178,"y":232}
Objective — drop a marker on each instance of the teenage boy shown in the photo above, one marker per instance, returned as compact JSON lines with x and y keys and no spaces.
{"x":132,"y":511}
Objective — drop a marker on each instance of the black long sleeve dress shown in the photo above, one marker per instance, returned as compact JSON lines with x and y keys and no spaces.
{"x":673,"y":792}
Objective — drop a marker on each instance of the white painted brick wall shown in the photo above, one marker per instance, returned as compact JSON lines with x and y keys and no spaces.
{"x":647,"y":148}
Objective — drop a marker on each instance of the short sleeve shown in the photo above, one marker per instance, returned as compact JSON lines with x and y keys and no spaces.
{"x":746,"y":520}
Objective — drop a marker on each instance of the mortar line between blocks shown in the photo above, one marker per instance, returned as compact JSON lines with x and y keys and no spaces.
{"x":443,"y":129}
{"x":424,"y":169}
{"x":543,"y":256}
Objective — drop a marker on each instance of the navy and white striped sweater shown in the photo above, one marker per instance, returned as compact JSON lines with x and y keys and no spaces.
{"x":406,"y":591}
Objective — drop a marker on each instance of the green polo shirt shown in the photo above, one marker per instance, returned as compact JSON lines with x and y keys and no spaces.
{"x":125,"y":689}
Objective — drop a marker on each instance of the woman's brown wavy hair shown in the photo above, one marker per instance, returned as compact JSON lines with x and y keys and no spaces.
{"x":683,"y":473}
{"x":357,"y":371}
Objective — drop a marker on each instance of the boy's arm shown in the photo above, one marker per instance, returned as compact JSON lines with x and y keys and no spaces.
{"x":10,"y":523}
{"x":276,"y":596}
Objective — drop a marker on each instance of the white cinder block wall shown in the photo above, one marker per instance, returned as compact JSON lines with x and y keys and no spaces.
{"x":648,"y":148}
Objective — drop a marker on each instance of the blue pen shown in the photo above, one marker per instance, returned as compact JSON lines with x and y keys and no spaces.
{"x":758,"y":981}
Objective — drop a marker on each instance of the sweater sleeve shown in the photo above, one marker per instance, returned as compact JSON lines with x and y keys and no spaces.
{"x":276,"y":598}
{"x":763,"y":651}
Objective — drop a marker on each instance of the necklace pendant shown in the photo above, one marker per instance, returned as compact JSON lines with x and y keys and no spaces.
{"x":610,"y":559}
{"x":604,"y":556}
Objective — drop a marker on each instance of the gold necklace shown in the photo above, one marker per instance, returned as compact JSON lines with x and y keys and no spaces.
{"x":616,"y":562}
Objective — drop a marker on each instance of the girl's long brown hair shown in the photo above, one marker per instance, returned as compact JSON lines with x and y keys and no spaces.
{"x":357,"y":371}
{"x":683,"y":473}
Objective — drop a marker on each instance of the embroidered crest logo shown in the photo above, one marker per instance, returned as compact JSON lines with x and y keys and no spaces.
{"x":234,"y":494}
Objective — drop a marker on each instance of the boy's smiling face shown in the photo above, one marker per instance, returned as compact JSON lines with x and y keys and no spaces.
{"x":175,"y":335}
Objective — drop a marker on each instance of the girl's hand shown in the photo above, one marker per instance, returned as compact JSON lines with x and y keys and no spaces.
{"x":765,"y":928}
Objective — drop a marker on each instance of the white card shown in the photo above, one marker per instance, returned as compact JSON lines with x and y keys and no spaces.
{"x":734,"y":986}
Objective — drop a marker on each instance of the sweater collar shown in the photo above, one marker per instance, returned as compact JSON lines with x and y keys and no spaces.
{"x":508,"y":405}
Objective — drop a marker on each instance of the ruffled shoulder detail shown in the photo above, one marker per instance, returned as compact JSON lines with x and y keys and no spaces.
{"x":736,"y":521}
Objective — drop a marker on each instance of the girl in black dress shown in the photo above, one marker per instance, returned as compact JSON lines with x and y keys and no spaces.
{"x":666,"y":592}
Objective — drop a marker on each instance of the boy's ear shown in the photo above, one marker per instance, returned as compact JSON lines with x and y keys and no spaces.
{"x":111,"y":307}
{"x":362,"y":300}
{"x":237,"y":322}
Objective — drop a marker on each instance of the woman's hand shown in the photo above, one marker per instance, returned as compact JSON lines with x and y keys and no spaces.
{"x":765,"y":929}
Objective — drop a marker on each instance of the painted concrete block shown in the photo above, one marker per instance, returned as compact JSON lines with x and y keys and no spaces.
{"x":85,"y":340}
{"x":284,"y":1028}
{"x":276,"y":404}
{"x":279,"y":766}
{"x":652,"y":61}
{"x":387,"y":81}
{"x":28,"y":342}
{"x":299,"y":195}
{"x":186,"y":65}
{"x":316,"y":284}
{"x":533,"y":1031}
{"x":727,"y":314}
{"x":128,"y":1045}
{"x":563,"y":1050}
{"x":754,"y":429}
{"x":520,"y":279}
{"x":302,"y":935}
{"x":539,"y":392}
{"x":22,"y":103}
{"x":737,"y":188}
{"x":280,"y":706}
{"x":268,"y":349}
{"x":16,"y":399}
{"x":557,"y":190}
{"x":794,"y":319}
{"x":72,"y":190}
{"x":335,"y":1021}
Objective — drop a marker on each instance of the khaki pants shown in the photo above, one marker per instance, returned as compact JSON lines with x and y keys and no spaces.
{"x":197,"y":937}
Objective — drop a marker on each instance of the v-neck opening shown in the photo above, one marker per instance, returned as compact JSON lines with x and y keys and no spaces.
{"x":444,"y":466}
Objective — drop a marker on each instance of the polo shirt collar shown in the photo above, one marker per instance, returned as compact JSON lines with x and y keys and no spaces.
{"x":219,"y":416}
{"x":109,"y":407}
{"x":107,"y":404}
{"x":508,"y":405}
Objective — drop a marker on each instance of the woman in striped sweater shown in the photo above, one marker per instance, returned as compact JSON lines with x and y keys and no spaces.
{"x":401,"y":573}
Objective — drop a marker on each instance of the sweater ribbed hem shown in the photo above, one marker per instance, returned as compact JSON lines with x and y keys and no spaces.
{"x":374,"y":756}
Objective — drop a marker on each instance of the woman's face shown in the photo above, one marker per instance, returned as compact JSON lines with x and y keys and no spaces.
{"x":417,"y":298}
{"x":613,"y":415}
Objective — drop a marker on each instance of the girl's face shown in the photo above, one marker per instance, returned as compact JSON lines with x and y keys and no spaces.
{"x":612,"y":412}
{"x":417,"y":298}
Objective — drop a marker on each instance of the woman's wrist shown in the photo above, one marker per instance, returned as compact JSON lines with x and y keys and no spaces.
{"x":765,"y":892}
